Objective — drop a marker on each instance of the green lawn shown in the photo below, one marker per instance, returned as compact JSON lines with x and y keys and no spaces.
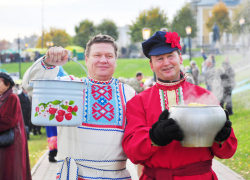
{"x":240,"y":162}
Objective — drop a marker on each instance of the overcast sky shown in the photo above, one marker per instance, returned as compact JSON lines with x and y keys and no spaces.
{"x":24,"y":17}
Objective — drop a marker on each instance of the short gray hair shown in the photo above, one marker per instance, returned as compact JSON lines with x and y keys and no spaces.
{"x":192,"y":62}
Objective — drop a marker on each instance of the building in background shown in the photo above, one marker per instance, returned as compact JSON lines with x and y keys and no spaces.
{"x":123,"y":41}
{"x":203,"y":9}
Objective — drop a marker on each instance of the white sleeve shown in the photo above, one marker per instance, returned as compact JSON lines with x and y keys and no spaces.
{"x":38,"y":71}
{"x":129,"y":92}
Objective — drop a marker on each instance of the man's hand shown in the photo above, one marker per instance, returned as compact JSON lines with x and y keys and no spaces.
{"x":165,"y":130}
{"x":225,"y":131}
{"x":58,"y":56}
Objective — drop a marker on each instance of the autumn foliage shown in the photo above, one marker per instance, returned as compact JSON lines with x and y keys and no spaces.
{"x":220,"y":15}
{"x":58,"y":36}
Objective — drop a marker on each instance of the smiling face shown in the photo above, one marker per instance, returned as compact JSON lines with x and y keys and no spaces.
{"x":101,"y":62}
{"x":3,"y":87}
{"x":167,"y":66}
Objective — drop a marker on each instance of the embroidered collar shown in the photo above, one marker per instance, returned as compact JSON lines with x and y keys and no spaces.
{"x":167,"y":85}
{"x":100,"y":82}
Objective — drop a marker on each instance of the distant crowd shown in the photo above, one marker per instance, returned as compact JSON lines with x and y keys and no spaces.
{"x":24,"y":57}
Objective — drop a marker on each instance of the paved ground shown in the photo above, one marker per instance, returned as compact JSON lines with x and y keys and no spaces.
{"x":44,"y":170}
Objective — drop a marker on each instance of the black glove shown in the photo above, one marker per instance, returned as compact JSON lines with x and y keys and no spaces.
{"x":225,"y":131}
{"x":165,"y":130}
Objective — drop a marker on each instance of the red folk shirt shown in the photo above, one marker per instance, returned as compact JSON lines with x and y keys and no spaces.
{"x":144,"y":110}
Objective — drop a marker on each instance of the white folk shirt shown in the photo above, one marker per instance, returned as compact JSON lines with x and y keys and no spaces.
{"x":94,"y":149}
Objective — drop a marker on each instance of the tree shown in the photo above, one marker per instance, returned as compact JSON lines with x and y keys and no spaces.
{"x":84,"y":32}
{"x":107,"y":27}
{"x":242,"y":11}
{"x":182,"y":19}
{"x":220,"y":15}
{"x":154,"y":18}
{"x":59,"y":37}
{"x":4,"y":45}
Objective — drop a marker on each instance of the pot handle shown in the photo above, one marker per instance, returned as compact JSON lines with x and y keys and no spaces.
{"x":31,"y":83}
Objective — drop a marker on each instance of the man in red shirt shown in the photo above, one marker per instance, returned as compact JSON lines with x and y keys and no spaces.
{"x":151,"y":138}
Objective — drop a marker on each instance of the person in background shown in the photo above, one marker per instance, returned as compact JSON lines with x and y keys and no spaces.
{"x":210,"y":56}
{"x":149,"y":82}
{"x":136,"y":82}
{"x":210,"y":73}
{"x":26,"y":110}
{"x":228,"y":84}
{"x":151,"y":138}
{"x":15,"y":91}
{"x":195,"y":72}
{"x":51,"y":132}
{"x":189,"y":75}
{"x":14,"y":159}
{"x":92,"y":150}
{"x":217,"y":87}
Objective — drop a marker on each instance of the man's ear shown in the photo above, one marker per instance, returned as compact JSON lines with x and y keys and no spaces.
{"x":151,"y":65}
{"x":86,"y":60}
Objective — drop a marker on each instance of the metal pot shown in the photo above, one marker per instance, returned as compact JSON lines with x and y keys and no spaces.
{"x":56,"y":102}
{"x":200,"y":124}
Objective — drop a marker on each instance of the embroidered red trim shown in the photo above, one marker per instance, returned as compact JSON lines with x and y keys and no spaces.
{"x":174,"y":39}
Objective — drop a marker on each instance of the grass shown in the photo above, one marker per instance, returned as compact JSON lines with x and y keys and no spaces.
{"x":240,"y":162}
{"x":37,"y":146}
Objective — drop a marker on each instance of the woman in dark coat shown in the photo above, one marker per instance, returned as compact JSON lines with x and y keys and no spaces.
{"x":14,"y":159}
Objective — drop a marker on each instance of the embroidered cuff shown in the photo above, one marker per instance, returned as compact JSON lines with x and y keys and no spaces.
{"x":45,"y":66}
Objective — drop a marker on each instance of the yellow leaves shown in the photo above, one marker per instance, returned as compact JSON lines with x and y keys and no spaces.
{"x":220,"y":6}
{"x":220,"y":15}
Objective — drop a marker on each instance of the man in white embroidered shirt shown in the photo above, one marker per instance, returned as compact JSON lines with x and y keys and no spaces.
{"x":93,"y":150}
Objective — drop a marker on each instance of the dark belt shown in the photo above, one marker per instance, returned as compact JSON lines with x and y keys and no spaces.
{"x":186,"y":170}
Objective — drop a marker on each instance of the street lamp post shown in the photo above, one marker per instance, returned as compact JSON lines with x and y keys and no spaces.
{"x":188,"y":31}
{"x":145,"y":35}
{"x":49,"y":44}
{"x":18,"y":43}
{"x":242,"y":22}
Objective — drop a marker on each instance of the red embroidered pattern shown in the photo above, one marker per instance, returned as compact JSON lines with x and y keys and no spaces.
{"x":71,"y":78}
{"x":177,"y":96}
{"x":47,"y":67}
{"x":100,"y":82}
{"x":106,"y":111}
{"x":166,"y":100}
{"x":98,"y":91}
